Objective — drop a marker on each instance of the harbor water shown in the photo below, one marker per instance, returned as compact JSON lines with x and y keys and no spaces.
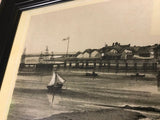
{"x":80,"y":93}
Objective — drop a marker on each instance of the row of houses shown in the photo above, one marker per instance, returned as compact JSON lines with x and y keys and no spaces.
{"x":118,"y":51}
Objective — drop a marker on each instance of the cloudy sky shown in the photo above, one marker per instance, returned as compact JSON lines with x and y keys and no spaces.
{"x":91,"y":26}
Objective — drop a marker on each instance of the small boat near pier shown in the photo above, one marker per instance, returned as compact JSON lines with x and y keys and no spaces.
{"x":137,"y":75}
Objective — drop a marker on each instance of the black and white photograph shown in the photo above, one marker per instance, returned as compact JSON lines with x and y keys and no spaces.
{"x":97,"y":61}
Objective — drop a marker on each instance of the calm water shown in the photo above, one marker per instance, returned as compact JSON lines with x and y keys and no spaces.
{"x":81,"y":93}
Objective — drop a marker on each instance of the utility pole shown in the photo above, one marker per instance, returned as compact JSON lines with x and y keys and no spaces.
{"x":68,"y":38}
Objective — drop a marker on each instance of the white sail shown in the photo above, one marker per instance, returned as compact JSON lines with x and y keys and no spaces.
{"x":60,"y":79}
{"x":53,"y":80}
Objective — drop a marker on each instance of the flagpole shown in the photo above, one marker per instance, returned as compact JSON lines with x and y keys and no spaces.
{"x":67,"y":44}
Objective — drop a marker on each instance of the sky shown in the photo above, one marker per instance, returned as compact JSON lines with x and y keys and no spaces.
{"x":93,"y":26}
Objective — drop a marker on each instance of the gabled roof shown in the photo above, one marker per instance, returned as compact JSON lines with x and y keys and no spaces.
{"x":128,"y":48}
{"x":78,"y":53}
{"x":88,"y":51}
{"x":98,"y":50}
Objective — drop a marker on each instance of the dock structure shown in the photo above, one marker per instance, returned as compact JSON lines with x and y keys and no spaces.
{"x":126,"y":65}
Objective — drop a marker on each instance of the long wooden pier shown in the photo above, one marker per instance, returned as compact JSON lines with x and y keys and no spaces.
{"x":96,"y":63}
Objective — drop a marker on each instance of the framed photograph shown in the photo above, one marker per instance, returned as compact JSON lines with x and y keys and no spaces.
{"x":80,"y":60}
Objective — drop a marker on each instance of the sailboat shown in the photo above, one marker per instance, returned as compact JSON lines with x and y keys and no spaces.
{"x":56,"y":82}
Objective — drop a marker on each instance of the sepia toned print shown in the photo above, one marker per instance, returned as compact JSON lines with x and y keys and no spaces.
{"x":92,"y":62}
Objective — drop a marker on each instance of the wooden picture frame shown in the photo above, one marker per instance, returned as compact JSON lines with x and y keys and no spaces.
{"x":96,"y":68}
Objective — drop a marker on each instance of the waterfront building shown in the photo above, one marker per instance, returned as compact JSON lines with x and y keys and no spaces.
{"x":127,"y":54}
{"x":95,"y":54}
{"x":80,"y":55}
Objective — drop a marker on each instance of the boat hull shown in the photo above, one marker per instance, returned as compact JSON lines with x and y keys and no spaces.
{"x":138,"y":76}
{"x":56,"y":87}
{"x":92,"y":74}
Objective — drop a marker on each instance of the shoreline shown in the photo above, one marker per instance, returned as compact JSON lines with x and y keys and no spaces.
{"x":103,"y":114}
{"x":84,"y":71}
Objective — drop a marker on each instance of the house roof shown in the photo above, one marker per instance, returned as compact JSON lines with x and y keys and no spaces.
{"x":78,"y":53}
{"x":88,"y":51}
{"x":144,"y":50}
{"x":120,"y":48}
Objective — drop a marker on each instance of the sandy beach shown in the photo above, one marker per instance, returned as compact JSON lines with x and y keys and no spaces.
{"x":107,"y":114}
{"x":110,"y":96}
